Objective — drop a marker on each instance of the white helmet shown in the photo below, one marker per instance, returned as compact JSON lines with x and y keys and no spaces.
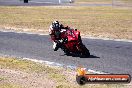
{"x":55,"y":25}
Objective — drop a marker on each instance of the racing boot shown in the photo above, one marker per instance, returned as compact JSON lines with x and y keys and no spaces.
{"x":55,"y":46}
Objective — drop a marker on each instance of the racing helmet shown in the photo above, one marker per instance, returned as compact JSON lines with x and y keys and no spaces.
{"x":56,"y":25}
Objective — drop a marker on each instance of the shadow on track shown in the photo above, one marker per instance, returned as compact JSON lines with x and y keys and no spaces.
{"x":92,"y":56}
{"x":76,"y":55}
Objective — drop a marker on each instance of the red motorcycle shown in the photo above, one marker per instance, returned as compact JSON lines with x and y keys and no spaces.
{"x":71,"y":43}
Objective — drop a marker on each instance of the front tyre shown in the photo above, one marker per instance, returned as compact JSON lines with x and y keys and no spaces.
{"x":66,"y":51}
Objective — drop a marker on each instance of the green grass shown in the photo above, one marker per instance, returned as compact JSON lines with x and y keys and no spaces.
{"x":126,"y":0}
{"x":87,"y":1}
{"x":95,"y":21}
{"x":58,"y":77}
{"x":9,"y":85}
{"x":24,"y":65}
{"x":100,"y":1}
{"x":2,"y":78}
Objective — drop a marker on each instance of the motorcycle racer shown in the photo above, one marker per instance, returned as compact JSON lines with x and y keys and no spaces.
{"x":55,"y":32}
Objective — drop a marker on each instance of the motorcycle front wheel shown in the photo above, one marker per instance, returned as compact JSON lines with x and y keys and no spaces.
{"x":66,"y":51}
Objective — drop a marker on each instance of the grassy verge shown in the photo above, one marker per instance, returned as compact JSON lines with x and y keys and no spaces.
{"x":126,"y":1}
{"x":2,"y":78}
{"x":93,"y":1}
{"x":101,"y":1}
{"x":13,"y":70}
{"x":92,"y":21}
{"x":9,"y":85}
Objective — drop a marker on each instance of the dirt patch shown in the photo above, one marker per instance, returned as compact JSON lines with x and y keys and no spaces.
{"x":26,"y":80}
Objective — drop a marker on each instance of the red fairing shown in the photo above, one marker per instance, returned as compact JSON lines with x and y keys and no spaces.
{"x":72,"y":36}
{"x":77,"y":33}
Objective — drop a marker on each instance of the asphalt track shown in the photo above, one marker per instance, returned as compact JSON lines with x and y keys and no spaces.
{"x":31,"y":3}
{"x":106,"y":55}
